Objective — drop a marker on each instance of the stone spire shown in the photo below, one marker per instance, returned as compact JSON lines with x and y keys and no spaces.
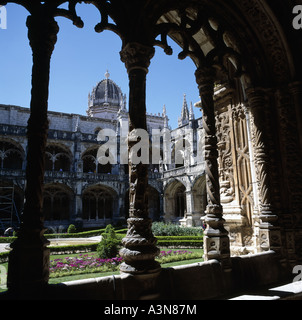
{"x":184,"y":118}
{"x":191,"y":113}
{"x":165,"y":117}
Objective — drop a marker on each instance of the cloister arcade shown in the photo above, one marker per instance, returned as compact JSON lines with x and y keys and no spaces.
{"x":250,"y":51}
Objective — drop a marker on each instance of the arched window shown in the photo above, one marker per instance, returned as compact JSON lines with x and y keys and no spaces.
{"x":200,"y":195}
{"x":181,"y":152}
{"x":56,"y":202}
{"x":180,"y":202}
{"x":11,"y":156}
{"x":91,"y":164}
{"x":175,"y":201}
{"x":98,"y":203}
{"x":57,"y":158}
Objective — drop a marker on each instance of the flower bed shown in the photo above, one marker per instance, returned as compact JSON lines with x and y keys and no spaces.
{"x":87,"y":263}
{"x":91,"y":263}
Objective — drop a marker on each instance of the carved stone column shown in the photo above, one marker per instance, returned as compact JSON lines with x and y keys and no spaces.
{"x":269,"y":233}
{"x":189,"y":216}
{"x":288,"y":103}
{"x":140,"y":249}
{"x":216,"y":240}
{"x":296,"y":91}
{"x":29,"y":259}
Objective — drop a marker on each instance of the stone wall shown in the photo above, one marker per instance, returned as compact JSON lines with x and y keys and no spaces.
{"x":198,"y":281}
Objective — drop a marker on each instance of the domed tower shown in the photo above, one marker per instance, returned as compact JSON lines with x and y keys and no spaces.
{"x":106,"y":99}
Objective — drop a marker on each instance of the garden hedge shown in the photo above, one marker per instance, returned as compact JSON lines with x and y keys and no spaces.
{"x":162,"y":241}
{"x":169,"y":242}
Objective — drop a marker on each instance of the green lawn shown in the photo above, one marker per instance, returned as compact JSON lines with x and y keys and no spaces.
{"x":104,"y":274}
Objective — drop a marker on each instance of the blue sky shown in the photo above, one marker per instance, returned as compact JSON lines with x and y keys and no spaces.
{"x":79,"y":62}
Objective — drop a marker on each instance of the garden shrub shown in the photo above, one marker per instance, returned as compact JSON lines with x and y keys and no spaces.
{"x":170,"y":229}
{"x":108,"y":247}
{"x":71,"y":229}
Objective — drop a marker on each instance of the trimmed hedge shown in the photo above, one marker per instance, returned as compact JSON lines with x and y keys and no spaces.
{"x":84,"y":234}
{"x":80,"y":248}
{"x":69,"y":249}
{"x":7,"y":239}
{"x":180,"y":244}
{"x":173,"y":242}
{"x":179,"y":238}
{"x":171,"y":229}
{"x":162,"y":241}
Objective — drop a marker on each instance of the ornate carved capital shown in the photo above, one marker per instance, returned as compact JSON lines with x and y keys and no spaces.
{"x":137,"y":56}
{"x":205,"y":77}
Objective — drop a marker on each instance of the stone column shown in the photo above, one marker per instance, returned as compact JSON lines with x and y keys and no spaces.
{"x":189,"y":216}
{"x":288,"y":103}
{"x":29,"y":259}
{"x":269,"y":233}
{"x":140,"y":249}
{"x":216,"y":240}
{"x":296,"y":92}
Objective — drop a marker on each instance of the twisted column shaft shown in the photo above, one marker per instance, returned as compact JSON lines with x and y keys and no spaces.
{"x":216,"y":242}
{"x":140,"y":249}
{"x":269,"y":232}
{"x":29,"y":258}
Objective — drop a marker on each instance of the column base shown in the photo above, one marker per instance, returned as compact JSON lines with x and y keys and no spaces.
{"x":28,"y":266}
{"x":217,"y":248}
{"x":142,"y":286}
{"x":269,"y":238}
{"x":140,"y":249}
{"x":140,"y":268}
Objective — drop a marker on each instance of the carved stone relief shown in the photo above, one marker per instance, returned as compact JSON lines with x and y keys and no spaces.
{"x":236,"y":189}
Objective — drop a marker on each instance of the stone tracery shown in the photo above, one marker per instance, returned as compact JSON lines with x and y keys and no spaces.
{"x":183,"y":23}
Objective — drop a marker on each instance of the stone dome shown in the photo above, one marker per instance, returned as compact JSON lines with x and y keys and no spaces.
{"x":106,"y":92}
